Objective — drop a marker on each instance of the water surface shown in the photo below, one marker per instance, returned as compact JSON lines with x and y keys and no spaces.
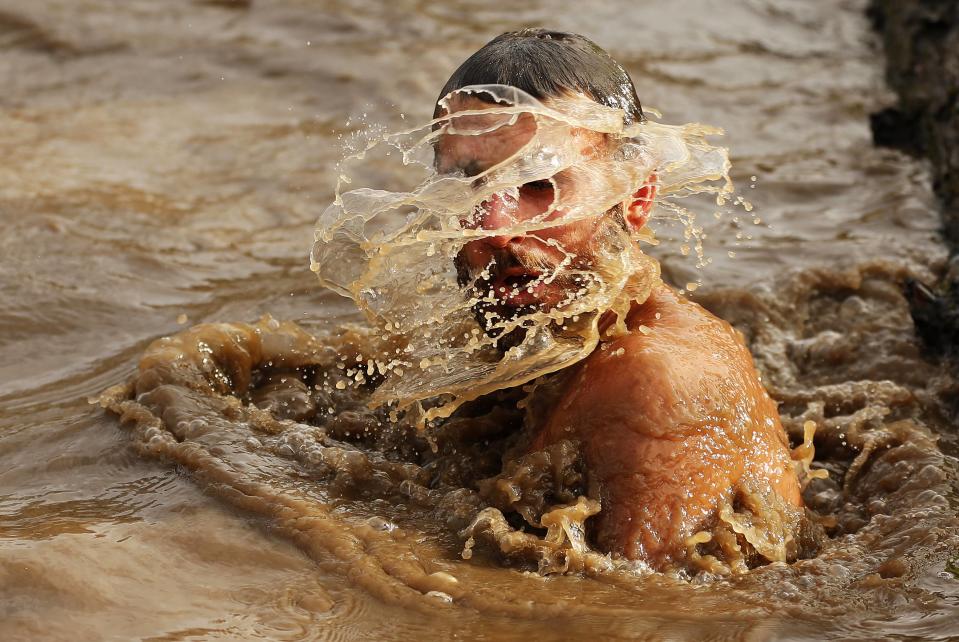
{"x":164,"y":165}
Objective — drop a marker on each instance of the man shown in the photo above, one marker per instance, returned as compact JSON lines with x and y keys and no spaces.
{"x":673,"y":420}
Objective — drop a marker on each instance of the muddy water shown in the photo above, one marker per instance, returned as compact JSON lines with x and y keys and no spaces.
{"x":164,"y":166}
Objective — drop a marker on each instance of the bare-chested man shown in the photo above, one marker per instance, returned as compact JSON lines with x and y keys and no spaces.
{"x":675,"y":423}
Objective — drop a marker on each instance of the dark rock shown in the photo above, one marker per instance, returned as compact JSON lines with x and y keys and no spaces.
{"x":936,"y":315}
{"x":921,"y":41}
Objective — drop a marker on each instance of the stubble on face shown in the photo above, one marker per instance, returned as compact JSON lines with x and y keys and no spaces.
{"x":492,"y":290}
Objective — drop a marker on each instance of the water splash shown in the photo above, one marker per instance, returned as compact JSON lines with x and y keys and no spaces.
{"x":393,"y":249}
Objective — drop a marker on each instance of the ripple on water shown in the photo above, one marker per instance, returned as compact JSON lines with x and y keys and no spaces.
{"x":163,"y":158}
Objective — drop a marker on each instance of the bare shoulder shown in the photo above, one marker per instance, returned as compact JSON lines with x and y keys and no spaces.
{"x":677,"y":364}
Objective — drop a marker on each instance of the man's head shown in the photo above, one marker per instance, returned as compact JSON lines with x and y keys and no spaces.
{"x":519,"y":268}
{"x":549,"y":64}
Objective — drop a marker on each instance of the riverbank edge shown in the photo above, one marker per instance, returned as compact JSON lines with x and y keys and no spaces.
{"x":921,"y":43}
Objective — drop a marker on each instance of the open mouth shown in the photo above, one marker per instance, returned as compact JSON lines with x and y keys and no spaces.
{"x":519,"y":281}
{"x":515,"y":281}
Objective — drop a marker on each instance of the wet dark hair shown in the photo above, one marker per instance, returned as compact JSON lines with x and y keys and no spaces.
{"x":548,"y":64}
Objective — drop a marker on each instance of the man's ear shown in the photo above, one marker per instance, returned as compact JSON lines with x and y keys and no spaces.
{"x":637,"y":212}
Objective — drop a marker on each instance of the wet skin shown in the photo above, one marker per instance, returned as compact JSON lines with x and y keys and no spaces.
{"x":671,"y":427}
{"x":672,"y":416}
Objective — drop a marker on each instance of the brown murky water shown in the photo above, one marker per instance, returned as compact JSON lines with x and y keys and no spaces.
{"x":164,"y":166}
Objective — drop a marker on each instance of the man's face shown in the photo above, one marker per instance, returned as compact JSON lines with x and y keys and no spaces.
{"x":518,"y":271}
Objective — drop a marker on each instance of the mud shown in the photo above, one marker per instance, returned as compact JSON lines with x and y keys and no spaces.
{"x":164,"y":168}
{"x":473,"y":471}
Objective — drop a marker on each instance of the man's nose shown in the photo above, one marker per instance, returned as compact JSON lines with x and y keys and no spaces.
{"x":498,"y":212}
